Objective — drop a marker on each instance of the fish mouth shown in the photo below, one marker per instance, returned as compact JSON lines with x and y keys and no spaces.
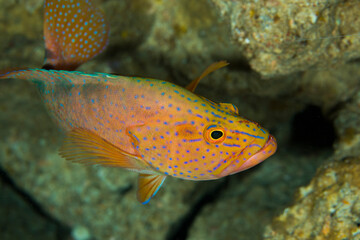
{"x":266,"y":151}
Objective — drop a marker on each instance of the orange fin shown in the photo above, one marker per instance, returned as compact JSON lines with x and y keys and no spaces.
{"x":213,"y":67}
{"x":74,"y":31}
{"x":83,"y":146}
{"x":148,"y":186}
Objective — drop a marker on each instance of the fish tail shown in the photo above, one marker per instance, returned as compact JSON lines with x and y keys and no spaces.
{"x":74,"y":32}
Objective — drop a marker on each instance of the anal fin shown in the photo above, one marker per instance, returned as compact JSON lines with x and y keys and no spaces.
{"x":148,"y":186}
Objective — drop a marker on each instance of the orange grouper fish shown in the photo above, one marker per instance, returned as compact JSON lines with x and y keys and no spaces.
{"x":153,"y":127}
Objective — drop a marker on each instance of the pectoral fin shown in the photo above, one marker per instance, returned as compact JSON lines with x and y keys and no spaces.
{"x":84,"y":146}
{"x":215,"y":66}
{"x":148,"y":186}
{"x":230,"y":106}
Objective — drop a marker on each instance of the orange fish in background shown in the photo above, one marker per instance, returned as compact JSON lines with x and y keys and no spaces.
{"x":146,"y":125}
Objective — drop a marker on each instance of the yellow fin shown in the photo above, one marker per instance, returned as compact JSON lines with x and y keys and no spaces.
{"x":83,"y":146}
{"x":230,"y":106}
{"x":148,"y":186}
{"x":215,"y":66}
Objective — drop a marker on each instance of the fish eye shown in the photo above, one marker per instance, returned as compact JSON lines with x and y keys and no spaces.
{"x":214,"y":134}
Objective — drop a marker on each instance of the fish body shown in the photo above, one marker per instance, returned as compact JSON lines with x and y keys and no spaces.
{"x":150,"y":126}
{"x":74,"y":32}
{"x":166,"y":126}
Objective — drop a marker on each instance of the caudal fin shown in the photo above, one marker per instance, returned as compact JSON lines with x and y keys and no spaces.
{"x":74,"y":32}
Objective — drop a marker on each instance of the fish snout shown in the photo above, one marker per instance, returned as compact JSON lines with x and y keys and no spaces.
{"x":266,"y":151}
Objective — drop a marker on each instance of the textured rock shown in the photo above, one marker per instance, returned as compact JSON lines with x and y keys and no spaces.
{"x":297,"y":50}
{"x":328,"y":208}
{"x":282,"y":37}
{"x":347,"y":122}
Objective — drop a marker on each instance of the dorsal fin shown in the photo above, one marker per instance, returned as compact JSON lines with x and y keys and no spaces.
{"x":213,"y":67}
{"x":74,"y":32}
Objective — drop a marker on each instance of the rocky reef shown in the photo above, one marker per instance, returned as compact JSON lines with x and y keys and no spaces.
{"x":327,"y":208}
{"x":294,"y":68}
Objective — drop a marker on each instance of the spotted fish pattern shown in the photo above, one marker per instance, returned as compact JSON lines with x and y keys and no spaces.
{"x":74,"y":31}
{"x":150,"y":126}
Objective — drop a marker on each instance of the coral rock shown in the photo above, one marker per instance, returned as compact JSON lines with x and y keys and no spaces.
{"x":328,"y":208}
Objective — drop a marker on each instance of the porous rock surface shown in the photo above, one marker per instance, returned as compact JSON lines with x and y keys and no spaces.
{"x":327,"y":208}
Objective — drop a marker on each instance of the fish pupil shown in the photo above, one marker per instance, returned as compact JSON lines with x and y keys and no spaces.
{"x":216,"y":134}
